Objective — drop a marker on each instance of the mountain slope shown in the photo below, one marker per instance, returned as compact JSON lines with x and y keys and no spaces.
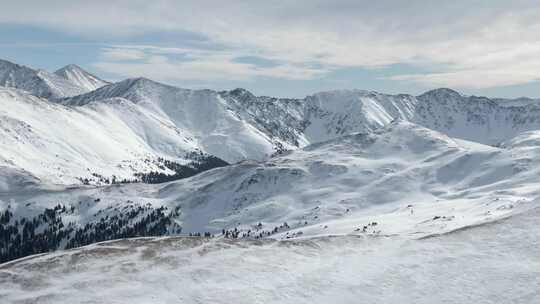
{"x":327,"y":115}
{"x":80,"y":77}
{"x":495,"y":263}
{"x":236,"y":125}
{"x":204,"y":114}
{"x":91,"y":144}
{"x":409,"y":180}
{"x":37,"y":82}
{"x":478,"y":119}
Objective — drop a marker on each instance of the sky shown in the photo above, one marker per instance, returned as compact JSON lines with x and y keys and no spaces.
{"x":286,"y":48}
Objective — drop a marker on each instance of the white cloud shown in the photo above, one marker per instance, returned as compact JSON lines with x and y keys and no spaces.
{"x":200,"y":65}
{"x":473,"y":79}
{"x":491,"y":42}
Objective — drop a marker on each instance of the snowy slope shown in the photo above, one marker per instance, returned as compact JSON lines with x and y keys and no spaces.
{"x":38,"y":82}
{"x":430,"y":195}
{"x":62,"y":145}
{"x":343,"y":173}
{"x":497,"y":263}
{"x":236,"y":125}
{"x":355,"y":179}
{"x":478,"y":119}
{"x":412,"y":181}
{"x":323,"y":116}
{"x":204,"y":114}
{"x":260,"y":126}
{"x":80,"y":77}
{"x":327,"y":115}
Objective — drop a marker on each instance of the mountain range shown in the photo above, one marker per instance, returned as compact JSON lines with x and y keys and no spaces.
{"x":83,"y":160}
{"x":120,"y":130}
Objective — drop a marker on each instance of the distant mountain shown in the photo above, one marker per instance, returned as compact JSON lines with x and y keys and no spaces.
{"x":478,"y":119}
{"x":327,"y":115}
{"x":139,"y":119}
{"x":37,"y":82}
{"x":80,"y":77}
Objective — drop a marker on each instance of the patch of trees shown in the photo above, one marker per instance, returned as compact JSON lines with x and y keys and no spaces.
{"x":198,"y":234}
{"x":100,"y":179}
{"x":150,"y":222}
{"x":256,"y":233}
{"x":200,"y":164}
{"x":47,"y":232}
{"x":22,"y":237}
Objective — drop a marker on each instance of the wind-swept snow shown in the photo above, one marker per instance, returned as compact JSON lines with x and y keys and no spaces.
{"x":497,"y":263}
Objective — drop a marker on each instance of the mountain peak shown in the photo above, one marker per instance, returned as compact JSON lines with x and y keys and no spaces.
{"x":132,"y":89}
{"x":241,"y":93}
{"x":139,"y":80}
{"x":442,"y":93}
{"x":70,"y":66}
{"x":80,"y":77}
{"x":36,"y":81}
{"x":4,"y":62}
{"x":8,"y":67}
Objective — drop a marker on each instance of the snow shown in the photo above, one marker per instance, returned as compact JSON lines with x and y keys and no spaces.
{"x":496,"y":263}
{"x":139,"y":118}
{"x":387,"y":198}
{"x":202,"y":114}
{"x":108,"y":138}
{"x":411,"y":180}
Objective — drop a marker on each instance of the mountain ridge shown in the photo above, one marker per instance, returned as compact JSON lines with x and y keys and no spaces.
{"x":38,"y":82}
{"x":237,"y":125}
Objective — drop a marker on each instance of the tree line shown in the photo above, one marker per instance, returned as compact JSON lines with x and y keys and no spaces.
{"x":47,"y":232}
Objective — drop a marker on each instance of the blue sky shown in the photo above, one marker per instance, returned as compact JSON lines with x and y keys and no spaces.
{"x":286,"y":49}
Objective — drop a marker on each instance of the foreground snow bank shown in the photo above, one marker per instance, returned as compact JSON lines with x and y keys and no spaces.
{"x":492,"y":263}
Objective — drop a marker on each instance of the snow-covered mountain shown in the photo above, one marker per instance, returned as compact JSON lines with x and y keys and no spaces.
{"x":333,"y":163}
{"x":113,"y":139}
{"x":409,"y":180}
{"x":149,"y":120}
{"x":75,"y":74}
{"x":478,"y":119}
{"x":331,"y":114}
{"x":37,"y":82}
{"x":277,"y":124}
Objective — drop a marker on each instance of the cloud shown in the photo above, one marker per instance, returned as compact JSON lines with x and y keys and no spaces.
{"x":160,"y":64}
{"x":472,"y":79}
{"x":491,"y":42}
{"x":121,"y":54}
